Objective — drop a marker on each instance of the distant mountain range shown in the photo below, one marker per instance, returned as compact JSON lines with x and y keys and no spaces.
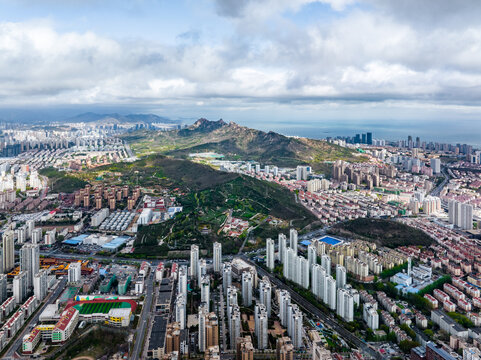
{"x":90,"y":117}
{"x":239,"y":142}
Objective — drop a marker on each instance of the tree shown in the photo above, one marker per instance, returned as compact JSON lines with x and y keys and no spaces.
{"x":407,"y":345}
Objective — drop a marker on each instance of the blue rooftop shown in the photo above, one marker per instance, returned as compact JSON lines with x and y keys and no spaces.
{"x":75,"y":240}
{"x":305,"y":242}
{"x":115,"y":243}
{"x":330,"y":240}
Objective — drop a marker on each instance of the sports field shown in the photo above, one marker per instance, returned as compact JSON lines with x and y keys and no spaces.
{"x":100,"y":307}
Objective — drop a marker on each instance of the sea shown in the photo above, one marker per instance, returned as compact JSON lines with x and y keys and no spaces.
{"x":442,"y":131}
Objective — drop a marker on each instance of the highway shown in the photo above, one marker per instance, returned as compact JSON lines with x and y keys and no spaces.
{"x":329,"y":321}
{"x":145,"y":316}
{"x":35,"y":320}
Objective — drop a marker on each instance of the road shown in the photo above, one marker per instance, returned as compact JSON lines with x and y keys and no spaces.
{"x":437,"y":190}
{"x":329,"y":321}
{"x":145,"y":316}
{"x":35,"y":320}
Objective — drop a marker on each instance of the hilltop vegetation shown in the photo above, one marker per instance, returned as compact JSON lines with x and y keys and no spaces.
{"x":238,"y":142}
{"x":388,"y":233}
{"x":208,"y":197}
{"x":62,"y":182}
{"x":155,"y":170}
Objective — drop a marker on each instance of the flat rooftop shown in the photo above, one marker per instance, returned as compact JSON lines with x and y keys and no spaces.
{"x":330,"y":240}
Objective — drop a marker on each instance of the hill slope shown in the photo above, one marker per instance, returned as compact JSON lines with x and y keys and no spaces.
{"x":208,"y":197}
{"x":238,"y":142}
{"x":388,"y":233}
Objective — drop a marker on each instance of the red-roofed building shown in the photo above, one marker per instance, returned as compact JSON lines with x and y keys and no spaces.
{"x":31,"y":340}
{"x":66,"y":325}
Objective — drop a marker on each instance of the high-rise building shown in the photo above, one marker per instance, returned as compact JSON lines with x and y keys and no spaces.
{"x":226,"y":277}
{"x":345,"y":305}
{"x":284,"y":348}
{"x":194,"y":260}
{"x":30,"y":261}
{"x":244,"y":348}
{"x":282,"y":242}
{"x":211,"y":330}
{"x":205,"y":291}
{"x":461,"y":214}
{"x":182,"y":283}
{"x":217,"y":260}
{"x":284,"y":302}
{"x":295,"y":326}
{"x":302,"y":272}
{"x":436,"y":165}
{"x":369,"y":138}
{"x":265,"y":294}
{"x":318,"y":279}
{"x":326,"y":263}
{"x":20,"y":287}
{"x":370,"y":316}
{"x":3,"y":288}
{"x":8,"y":257}
{"x":340,"y":276}
{"x":331,"y":292}
{"x":30,"y":225}
{"x":203,"y":313}
{"x":180,"y":310}
{"x":247,"y":284}
{"x":74,"y":272}
{"x":21,"y":234}
{"x":201,"y":270}
{"x":270,"y":254}
{"x":36,"y":235}
{"x":293,"y":240}
{"x":40,"y":284}
{"x":235,"y":326}
{"x":311,"y":255}
{"x":261,"y":325}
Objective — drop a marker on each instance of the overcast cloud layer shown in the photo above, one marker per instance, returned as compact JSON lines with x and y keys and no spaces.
{"x":244,"y":54}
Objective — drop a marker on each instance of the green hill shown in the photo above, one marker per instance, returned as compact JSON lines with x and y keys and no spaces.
{"x":238,"y":142}
{"x":208,"y":197}
{"x":388,"y":233}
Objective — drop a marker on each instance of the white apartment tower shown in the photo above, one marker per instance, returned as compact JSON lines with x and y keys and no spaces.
{"x":282,"y":242}
{"x":340,"y":276}
{"x":226,"y":277}
{"x":205,"y":291}
{"x":265,"y":294}
{"x":326,"y":263}
{"x":261,"y":324}
{"x":40,"y":284}
{"x":311,"y":255}
{"x":182,"y":283}
{"x":293,"y":240}
{"x":194,"y":260}
{"x":20,"y":287}
{"x":8,"y":257}
{"x":74,"y":272}
{"x":217,"y":260}
{"x":180,"y":309}
{"x":30,"y":261}
{"x":270,"y":254}
{"x":247,"y":285}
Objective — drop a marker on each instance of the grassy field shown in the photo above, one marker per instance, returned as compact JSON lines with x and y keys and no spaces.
{"x":388,"y":233}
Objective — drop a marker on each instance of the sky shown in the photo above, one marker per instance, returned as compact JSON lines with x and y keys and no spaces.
{"x":246,"y":60}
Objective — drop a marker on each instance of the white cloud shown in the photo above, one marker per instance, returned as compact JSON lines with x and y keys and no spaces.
{"x":372,"y":55}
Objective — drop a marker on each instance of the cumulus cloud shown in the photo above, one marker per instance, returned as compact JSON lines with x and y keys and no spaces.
{"x":377,"y":52}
